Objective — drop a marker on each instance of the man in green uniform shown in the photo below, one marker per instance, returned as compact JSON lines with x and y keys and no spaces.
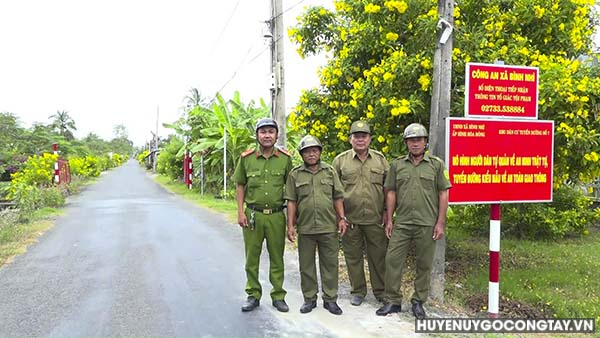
{"x":315,"y":197}
{"x":417,"y":189}
{"x":362,"y":172}
{"x":260,"y":176}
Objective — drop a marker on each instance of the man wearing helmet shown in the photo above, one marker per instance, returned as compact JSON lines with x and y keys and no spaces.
{"x":417,"y":192}
{"x":316,"y":210}
{"x":260,"y":176}
{"x":362,"y":171}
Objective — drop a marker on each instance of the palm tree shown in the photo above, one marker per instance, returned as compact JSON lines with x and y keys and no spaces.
{"x":195,"y":99}
{"x":63,"y":124}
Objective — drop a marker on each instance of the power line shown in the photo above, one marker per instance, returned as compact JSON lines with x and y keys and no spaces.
{"x":225,"y":27}
{"x":287,"y":10}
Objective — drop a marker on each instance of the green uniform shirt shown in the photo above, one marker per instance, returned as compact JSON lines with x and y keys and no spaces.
{"x":363,"y":185}
{"x":417,"y":189}
{"x":314,"y":194}
{"x":263,"y":178}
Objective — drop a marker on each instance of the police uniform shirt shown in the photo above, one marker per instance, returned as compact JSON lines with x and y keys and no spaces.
{"x":417,"y":189}
{"x":314,"y":194}
{"x":363,"y":185}
{"x":263,"y":178}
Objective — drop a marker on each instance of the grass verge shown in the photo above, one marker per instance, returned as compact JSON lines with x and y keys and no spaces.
{"x":16,"y":237}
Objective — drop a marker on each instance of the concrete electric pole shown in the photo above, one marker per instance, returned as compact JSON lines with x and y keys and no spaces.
{"x":440,"y":110}
{"x":277,"y":73}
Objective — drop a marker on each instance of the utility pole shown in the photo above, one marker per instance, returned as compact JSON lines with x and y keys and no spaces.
{"x":440,"y":110}
{"x":277,"y":73}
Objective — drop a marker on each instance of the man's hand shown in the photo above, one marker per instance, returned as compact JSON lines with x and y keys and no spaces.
{"x":291,"y":234}
{"x":389,"y":226}
{"x":342,"y":226}
{"x":242,"y":220}
{"x":438,"y":231}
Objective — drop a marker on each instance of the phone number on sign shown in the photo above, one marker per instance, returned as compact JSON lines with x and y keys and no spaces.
{"x":490,"y":108}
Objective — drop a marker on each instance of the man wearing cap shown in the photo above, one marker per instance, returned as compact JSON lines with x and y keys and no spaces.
{"x":417,"y":189}
{"x":260,"y":176}
{"x":316,"y":210}
{"x":362,"y":171}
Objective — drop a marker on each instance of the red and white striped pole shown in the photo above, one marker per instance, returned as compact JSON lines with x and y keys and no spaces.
{"x":494,"y":286}
{"x":56,"y":171}
{"x":190,"y":171}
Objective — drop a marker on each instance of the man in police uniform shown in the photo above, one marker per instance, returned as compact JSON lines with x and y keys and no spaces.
{"x":417,"y":189}
{"x":315,"y":197}
{"x":260,"y":176}
{"x":362,"y":172}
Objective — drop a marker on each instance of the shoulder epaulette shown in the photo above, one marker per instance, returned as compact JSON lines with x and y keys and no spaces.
{"x":379,"y":153}
{"x":285,"y":151}
{"x":247,"y":152}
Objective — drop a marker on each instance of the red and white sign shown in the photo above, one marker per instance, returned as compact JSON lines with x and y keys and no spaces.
{"x":501,"y":91}
{"x":499,"y":161}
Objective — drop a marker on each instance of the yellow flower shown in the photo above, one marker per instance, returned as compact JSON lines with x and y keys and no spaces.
{"x":322,"y":11}
{"x":426,"y":63}
{"x":391,"y":36}
{"x":385,"y":149}
{"x":370,"y":115}
{"x":387,"y":76}
{"x":400,"y":6}
{"x":383,"y":100}
{"x":371,"y":8}
{"x":539,"y":11}
{"x":424,"y":81}
{"x":380,"y":139}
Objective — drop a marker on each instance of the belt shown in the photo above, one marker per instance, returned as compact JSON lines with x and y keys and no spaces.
{"x":263,"y":210}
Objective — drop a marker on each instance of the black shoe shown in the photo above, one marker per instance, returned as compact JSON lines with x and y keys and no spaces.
{"x":308,"y":306}
{"x":357,"y":300}
{"x":387,"y":309}
{"x":281,"y":306}
{"x":250,"y":304}
{"x":332,"y":307}
{"x":418,"y":311}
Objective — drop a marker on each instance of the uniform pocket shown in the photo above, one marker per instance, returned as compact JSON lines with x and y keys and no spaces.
{"x":254,"y":178}
{"x":327,"y":186}
{"x":302,"y":188}
{"x":349,"y":177}
{"x":427,"y":181}
{"x":376,"y":176}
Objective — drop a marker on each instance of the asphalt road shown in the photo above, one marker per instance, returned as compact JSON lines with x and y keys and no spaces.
{"x":129,"y":258}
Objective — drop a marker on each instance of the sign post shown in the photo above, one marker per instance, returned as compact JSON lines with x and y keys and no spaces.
{"x":500,"y":153}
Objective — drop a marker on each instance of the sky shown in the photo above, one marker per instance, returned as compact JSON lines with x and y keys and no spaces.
{"x":124,"y":62}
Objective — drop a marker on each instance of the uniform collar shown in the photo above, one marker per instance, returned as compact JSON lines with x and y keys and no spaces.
{"x":426,"y":157}
{"x":355,"y":154}
{"x":259,"y":152}
{"x":321,"y":166}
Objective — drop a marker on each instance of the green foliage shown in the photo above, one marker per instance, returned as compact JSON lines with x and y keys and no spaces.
{"x":37,"y":171}
{"x":89,"y":166}
{"x":388,"y":81}
{"x":169,"y":162}
{"x":570,"y":213}
{"x":141,"y":157}
{"x":205,"y":127}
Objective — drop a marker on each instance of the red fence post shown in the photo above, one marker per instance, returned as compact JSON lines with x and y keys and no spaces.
{"x":494,"y":282}
{"x":190,"y":171}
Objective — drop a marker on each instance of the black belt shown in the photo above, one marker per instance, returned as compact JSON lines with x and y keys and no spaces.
{"x":264,"y":210}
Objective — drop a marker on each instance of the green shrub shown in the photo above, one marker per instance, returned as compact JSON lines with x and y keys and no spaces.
{"x":89,"y":166}
{"x":570,"y":213}
{"x":37,"y":171}
{"x":168,"y":163}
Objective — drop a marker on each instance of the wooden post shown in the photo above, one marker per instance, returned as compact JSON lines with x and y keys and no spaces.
{"x":440,"y":110}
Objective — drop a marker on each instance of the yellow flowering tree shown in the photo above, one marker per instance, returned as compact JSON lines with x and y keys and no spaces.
{"x":381,"y":60}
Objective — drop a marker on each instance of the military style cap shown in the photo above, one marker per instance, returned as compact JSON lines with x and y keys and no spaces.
{"x":266,"y":122}
{"x":309,"y":141}
{"x":414,"y":130}
{"x":360,"y":127}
